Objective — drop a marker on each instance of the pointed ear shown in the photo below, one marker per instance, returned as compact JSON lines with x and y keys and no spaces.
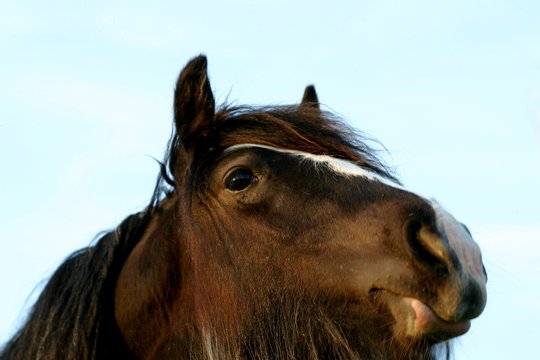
{"x":194,"y":105}
{"x":310,"y":98}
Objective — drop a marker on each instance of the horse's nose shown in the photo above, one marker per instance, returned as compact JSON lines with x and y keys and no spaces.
{"x":445,"y":248}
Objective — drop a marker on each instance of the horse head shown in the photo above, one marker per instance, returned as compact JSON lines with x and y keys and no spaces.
{"x":285,"y":237}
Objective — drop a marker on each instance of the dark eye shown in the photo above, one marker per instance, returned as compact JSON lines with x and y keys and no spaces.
{"x":240,"y":180}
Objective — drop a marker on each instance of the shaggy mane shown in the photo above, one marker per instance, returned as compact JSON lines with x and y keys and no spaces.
{"x":73,"y":317}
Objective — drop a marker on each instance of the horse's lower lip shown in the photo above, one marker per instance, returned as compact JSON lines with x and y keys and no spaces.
{"x":415,"y":319}
{"x":426,"y":322}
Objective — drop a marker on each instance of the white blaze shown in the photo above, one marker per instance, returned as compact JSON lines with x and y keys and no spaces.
{"x":339,"y":166}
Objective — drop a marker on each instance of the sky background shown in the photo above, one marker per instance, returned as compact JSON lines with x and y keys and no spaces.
{"x":451,"y":88}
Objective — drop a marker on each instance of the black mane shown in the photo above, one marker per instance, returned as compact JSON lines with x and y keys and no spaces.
{"x":73,"y":317}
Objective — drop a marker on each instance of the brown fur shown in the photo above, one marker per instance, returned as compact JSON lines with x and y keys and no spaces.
{"x":301,"y":264}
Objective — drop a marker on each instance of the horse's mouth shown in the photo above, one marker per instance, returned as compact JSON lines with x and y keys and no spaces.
{"x":415,"y":319}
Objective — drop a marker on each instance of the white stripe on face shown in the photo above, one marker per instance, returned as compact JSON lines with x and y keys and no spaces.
{"x":339,"y":166}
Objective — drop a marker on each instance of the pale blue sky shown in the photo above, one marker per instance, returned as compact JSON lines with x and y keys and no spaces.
{"x":451,"y":88}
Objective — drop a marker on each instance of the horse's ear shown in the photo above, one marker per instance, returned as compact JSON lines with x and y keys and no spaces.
{"x":310,"y":98}
{"x":194,"y":105}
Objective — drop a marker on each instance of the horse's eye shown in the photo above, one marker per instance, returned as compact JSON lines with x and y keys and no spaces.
{"x":240,"y":180}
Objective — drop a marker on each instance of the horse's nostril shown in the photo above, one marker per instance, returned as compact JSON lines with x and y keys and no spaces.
{"x":425,"y":245}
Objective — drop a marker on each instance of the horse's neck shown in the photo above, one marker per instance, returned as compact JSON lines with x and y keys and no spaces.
{"x":147,"y":286}
{"x":165,"y":309}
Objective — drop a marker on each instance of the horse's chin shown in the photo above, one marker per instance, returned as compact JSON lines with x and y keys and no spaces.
{"x":414,"y":320}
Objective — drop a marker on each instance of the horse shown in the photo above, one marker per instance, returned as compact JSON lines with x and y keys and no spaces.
{"x":273,"y":233}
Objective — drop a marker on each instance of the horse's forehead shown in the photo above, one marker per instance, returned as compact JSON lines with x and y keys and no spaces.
{"x":338,"y":166}
{"x":341,"y":167}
